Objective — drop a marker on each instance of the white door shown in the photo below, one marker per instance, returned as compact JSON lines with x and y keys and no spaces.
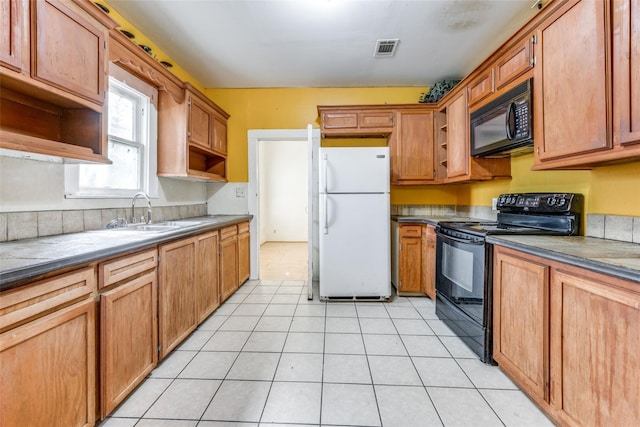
{"x":354,"y":246}
{"x":354,"y":170}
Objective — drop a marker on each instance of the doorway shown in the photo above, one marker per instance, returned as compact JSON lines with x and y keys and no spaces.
{"x":283,"y":207}
{"x":271,"y":160}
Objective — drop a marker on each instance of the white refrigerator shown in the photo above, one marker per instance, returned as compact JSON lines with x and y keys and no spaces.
{"x":354,"y":223}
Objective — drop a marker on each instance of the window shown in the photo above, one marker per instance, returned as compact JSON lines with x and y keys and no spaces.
{"x":131,"y":129}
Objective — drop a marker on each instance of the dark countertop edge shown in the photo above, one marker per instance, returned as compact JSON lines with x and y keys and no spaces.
{"x":17,"y":277}
{"x":586,"y":263}
{"x":430,"y":219}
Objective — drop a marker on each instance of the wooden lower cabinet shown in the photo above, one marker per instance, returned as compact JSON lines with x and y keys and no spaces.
{"x":48,"y":370}
{"x":207,"y":278}
{"x":244,"y":268}
{"x":520,"y":320}
{"x":228,"y":261}
{"x":128,"y":327}
{"x":429,"y":261}
{"x":417,"y":260}
{"x":595,"y":350}
{"x":569,"y":338}
{"x":410,"y":259}
{"x":177,"y":293}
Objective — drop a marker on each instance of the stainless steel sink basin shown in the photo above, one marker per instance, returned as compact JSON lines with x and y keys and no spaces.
{"x":160,"y":227}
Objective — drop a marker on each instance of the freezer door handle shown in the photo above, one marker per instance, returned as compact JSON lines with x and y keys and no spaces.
{"x":326,"y":211}
{"x":326,"y":168}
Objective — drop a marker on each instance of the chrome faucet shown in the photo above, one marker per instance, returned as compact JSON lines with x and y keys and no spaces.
{"x":133,"y":206}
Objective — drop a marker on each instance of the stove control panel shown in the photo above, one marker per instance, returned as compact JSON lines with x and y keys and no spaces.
{"x":540,"y":202}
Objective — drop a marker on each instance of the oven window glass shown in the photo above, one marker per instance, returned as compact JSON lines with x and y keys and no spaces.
{"x":457,"y":266}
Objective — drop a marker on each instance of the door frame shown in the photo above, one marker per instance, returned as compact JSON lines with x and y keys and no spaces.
{"x":311,"y":137}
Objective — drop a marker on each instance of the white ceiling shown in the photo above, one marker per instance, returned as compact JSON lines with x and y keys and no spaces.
{"x":325,"y":43}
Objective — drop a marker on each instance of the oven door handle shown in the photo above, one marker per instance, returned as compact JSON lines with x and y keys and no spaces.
{"x":457,"y":239}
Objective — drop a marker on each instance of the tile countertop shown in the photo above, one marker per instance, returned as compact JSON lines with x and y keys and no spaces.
{"x":23,"y":260}
{"x":610,"y":257}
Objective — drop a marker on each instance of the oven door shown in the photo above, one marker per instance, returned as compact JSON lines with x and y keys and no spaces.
{"x":460,"y":274}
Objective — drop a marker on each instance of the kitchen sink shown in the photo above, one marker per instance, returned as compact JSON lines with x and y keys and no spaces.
{"x":160,"y":227}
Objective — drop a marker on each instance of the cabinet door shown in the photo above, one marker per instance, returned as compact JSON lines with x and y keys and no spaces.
{"x":429,"y":261}
{"x":243,"y":254}
{"x":331,"y":120}
{"x":514,"y":63}
{"x":207,"y":279}
{"x":458,"y":136}
{"x":14,"y":39}
{"x":228,"y":267}
{"x":626,"y":71}
{"x":571,"y":82}
{"x":520,"y":321}
{"x":67,"y":50}
{"x":177,"y":293}
{"x":128,"y":338}
{"x":410,"y":259}
{"x":413,"y":151}
{"x":219,"y":135}
{"x":48,"y":370}
{"x":595,"y":348}
{"x":200,"y":126}
{"x":481,"y":87}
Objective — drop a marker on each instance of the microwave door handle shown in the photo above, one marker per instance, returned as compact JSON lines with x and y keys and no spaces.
{"x":510,"y":121}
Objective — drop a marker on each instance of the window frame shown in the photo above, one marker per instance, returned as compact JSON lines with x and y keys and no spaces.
{"x":147,"y":180}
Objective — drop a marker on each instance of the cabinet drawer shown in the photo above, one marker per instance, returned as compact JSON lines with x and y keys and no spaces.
{"x":40,"y":297}
{"x":228,"y":232}
{"x":243,"y":228}
{"x":411,"y":231}
{"x":128,"y":266}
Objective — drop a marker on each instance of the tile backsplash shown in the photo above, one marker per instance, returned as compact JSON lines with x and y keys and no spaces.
{"x":480,"y":212}
{"x":25,"y":225}
{"x":614,"y":227}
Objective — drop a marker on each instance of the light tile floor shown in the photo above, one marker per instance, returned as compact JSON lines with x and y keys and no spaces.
{"x":262,"y":360}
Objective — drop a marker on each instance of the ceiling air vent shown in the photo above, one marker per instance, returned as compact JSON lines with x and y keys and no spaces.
{"x":385,"y":48}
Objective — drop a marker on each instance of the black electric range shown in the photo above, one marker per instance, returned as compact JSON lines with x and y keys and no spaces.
{"x":464,"y":261}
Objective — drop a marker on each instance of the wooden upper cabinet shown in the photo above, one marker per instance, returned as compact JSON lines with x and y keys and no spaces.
{"x":356,"y":120}
{"x":192,"y":136}
{"x":572,"y":83}
{"x":199,"y":125}
{"x":626,"y":72}
{"x":14,"y":39}
{"x":219,"y":140}
{"x":458,"y":136}
{"x":514,"y":63}
{"x":481,"y":87}
{"x":68,"y":50}
{"x":412,"y":147}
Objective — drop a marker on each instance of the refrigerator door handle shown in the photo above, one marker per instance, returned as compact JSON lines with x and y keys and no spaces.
{"x":326,"y":211}
{"x":326,"y":168}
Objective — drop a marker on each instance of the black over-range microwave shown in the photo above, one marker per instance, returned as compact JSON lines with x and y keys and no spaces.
{"x":504,"y":126}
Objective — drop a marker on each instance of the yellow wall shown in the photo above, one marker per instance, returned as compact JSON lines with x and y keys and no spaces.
{"x":294,"y":109}
{"x":603,"y":187}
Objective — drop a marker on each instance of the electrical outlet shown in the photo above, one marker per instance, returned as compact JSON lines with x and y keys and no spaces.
{"x":494,"y":204}
{"x":239,"y":192}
